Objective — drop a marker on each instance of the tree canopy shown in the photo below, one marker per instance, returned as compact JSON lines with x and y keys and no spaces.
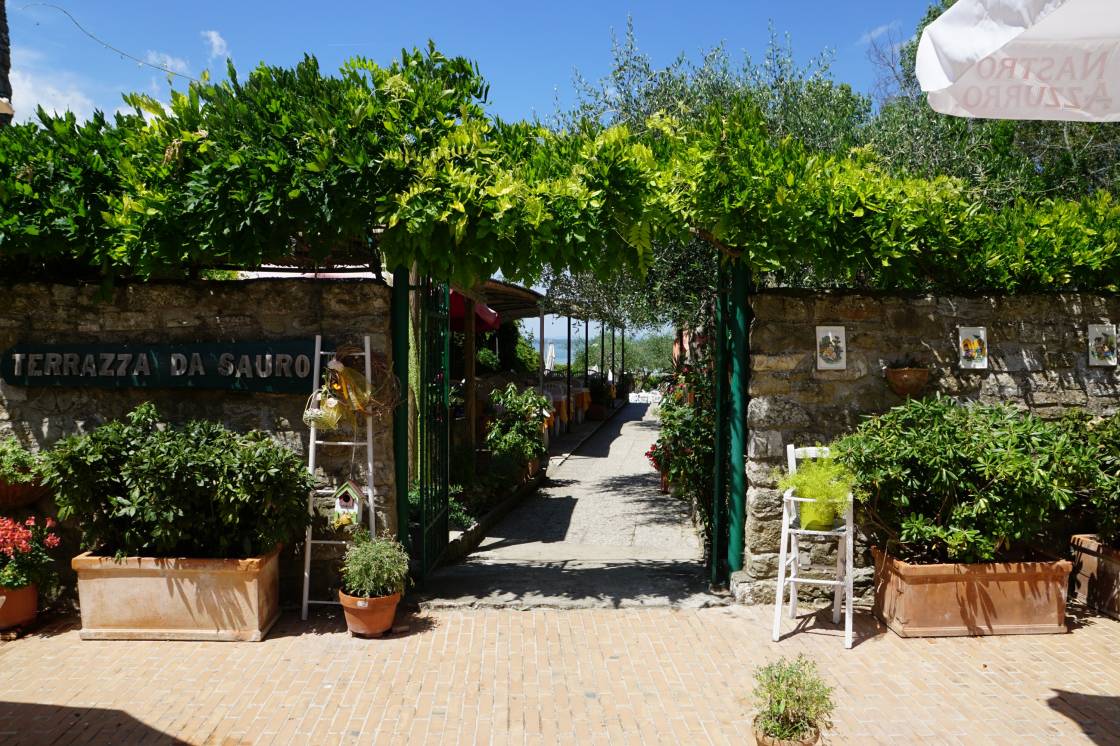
{"x":292,"y":165}
{"x":628,"y":205}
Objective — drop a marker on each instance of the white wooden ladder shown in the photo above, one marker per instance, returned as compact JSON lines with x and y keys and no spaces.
{"x":789,"y":559}
{"x":312,"y":450}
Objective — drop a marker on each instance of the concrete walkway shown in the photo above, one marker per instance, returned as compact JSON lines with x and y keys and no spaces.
{"x":598,"y":534}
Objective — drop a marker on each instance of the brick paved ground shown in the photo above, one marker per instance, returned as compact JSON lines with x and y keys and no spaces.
{"x":574,"y":675}
{"x":583,"y":676}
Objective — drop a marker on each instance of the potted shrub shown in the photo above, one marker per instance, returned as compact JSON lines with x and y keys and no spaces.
{"x":25,"y":567}
{"x":1096,"y":556}
{"x":826,"y":481}
{"x":21,"y":473}
{"x":905,"y":377}
{"x":794,"y":704}
{"x":182,"y":526}
{"x":516,"y":433}
{"x":374,"y":572}
{"x":955,"y":498}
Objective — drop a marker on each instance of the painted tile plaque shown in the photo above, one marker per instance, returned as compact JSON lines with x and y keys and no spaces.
{"x":1102,"y":345}
{"x":832,"y":348}
{"x":972,"y":347}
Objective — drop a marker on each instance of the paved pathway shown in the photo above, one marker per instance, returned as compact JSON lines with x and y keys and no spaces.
{"x":548,"y":676}
{"x":598,"y":534}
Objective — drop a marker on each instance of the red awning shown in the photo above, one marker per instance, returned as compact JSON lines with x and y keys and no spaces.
{"x":486,"y":318}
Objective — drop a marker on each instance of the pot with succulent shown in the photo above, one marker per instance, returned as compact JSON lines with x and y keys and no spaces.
{"x":905,"y":376}
{"x":374,"y":574}
{"x":182,"y":525}
{"x":25,"y":567}
{"x":793,"y":703}
{"x":825,"y":481}
{"x":21,"y":474}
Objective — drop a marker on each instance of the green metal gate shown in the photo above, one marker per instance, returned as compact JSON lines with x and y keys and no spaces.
{"x":435,"y":422}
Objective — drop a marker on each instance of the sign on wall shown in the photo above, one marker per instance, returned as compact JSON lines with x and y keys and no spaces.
{"x":280,"y":367}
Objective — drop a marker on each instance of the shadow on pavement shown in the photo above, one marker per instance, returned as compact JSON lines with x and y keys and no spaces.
{"x":1098,"y":715}
{"x":568,"y":584}
{"x":32,"y":724}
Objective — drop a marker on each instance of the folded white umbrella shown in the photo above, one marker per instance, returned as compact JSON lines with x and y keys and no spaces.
{"x":1024,"y":59}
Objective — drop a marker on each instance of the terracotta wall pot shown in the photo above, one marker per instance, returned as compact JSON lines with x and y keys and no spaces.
{"x":154,"y":598}
{"x":907,"y":381}
{"x":20,"y":495}
{"x":762,"y":739}
{"x":18,"y":606}
{"x":1096,"y":574}
{"x":369,"y":617}
{"x":990,"y":598}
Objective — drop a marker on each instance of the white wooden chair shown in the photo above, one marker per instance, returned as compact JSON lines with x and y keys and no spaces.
{"x":789,"y":559}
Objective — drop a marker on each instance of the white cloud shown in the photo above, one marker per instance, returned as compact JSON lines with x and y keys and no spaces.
{"x":218,"y":46}
{"x":167,"y":61}
{"x":35,"y":84}
{"x":873,"y":34}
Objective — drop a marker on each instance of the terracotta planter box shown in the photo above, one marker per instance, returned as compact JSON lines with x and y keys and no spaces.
{"x":1096,"y":574}
{"x":996,"y":598}
{"x":18,"y":606}
{"x":150,"y":598}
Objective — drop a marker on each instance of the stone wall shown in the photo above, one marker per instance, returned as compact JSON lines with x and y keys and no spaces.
{"x":230,"y":311}
{"x":1038,"y":361}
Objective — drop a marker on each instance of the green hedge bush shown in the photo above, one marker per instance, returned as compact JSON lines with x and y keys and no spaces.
{"x":940,"y":481}
{"x":139,"y":487}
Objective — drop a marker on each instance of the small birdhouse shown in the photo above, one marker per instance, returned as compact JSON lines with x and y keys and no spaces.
{"x":348,"y":499}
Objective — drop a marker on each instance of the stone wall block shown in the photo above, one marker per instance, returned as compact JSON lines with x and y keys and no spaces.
{"x":783,"y":361}
{"x":1014,"y":357}
{"x":765,"y":444}
{"x":763,"y":473}
{"x":773,"y":412}
{"x":764,"y":502}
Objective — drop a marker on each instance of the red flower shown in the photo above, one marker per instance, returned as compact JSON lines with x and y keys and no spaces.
{"x":51,"y":541}
{"x":51,"y":523}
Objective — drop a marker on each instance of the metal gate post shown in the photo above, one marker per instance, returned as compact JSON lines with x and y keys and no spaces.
{"x":737,"y":498}
{"x":719,"y":478}
{"x":398,"y":311}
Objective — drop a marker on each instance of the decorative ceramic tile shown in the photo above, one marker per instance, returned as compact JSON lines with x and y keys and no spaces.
{"x":832,"y":348}
{"x":972,"y":347}
{"x":1102,"y":344}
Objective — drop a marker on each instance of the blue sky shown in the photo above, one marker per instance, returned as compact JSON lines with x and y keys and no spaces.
{"x":528,"y":51}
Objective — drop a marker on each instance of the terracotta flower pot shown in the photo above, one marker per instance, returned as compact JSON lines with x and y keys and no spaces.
{"x":18,"y":606}
{"x":1096,"y":574}
{"x":907,"y":381}
{"x":764,"y":740}
{"x":20,"y":495}
{"x":369,"y":617}
{"x":665,"y":483}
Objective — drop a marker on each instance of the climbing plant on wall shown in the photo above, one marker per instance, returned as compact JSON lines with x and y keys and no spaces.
{"x":294,"y":165}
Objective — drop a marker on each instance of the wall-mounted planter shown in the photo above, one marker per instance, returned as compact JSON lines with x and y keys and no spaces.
{"x":990,"y":598}
{"x":1096,"y":574}
{"x":151,"y":598}
{"x":907,"y":381}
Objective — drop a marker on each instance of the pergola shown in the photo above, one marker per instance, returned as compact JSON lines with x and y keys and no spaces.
{"x":512,"y":303}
